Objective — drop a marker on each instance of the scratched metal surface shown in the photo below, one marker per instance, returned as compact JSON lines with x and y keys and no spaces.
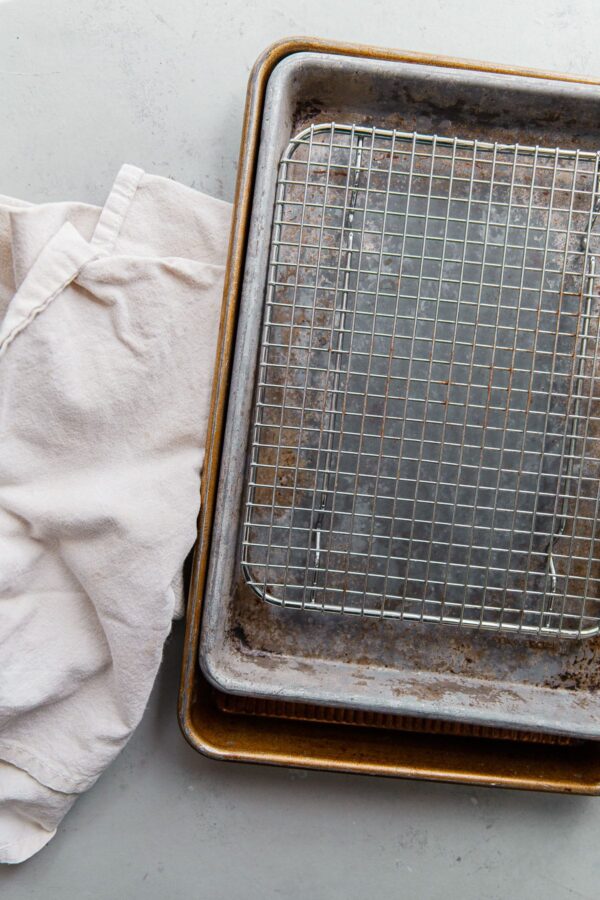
{"x":250,"y":646}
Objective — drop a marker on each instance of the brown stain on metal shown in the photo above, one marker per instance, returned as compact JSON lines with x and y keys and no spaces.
{"x":493,"y":658}
{"x":310,"y":712}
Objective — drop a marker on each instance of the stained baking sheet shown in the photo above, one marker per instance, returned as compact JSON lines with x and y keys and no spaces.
{"x":249,"y":646}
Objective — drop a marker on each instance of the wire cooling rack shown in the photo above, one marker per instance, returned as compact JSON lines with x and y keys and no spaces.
{"x":426,"y":426}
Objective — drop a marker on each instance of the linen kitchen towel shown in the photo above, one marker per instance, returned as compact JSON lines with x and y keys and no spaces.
{"x":108,"y":328}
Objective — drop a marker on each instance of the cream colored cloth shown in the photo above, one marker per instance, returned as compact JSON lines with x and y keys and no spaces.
{"x":107,"y":340}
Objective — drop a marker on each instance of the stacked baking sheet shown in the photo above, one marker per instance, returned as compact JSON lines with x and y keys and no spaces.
{"x":406,"y":512}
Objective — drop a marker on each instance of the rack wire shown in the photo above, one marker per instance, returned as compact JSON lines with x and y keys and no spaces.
{"x":426,"y":424}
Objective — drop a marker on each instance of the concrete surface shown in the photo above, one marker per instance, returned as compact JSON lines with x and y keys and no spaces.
{"x":86,"y":85}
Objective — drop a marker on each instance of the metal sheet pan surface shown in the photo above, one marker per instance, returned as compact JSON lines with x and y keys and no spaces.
{"x":251,"y":647}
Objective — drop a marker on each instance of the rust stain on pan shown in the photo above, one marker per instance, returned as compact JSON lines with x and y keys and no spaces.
{"x":308,"y":712}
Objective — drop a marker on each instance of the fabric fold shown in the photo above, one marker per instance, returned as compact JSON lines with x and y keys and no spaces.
{"x":107,"y":349}
{"x":58,"y":264}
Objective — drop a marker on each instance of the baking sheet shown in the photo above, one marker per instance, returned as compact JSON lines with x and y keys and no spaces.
{"x":250,"y":647}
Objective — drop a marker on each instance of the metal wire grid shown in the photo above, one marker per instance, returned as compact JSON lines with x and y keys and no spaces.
{"x":425,"y":438}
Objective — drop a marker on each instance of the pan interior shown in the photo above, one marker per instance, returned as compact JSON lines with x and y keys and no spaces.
{"x":424,"y":437}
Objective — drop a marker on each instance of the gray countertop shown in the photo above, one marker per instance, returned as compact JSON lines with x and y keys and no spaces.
{"x":85,"y":86}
